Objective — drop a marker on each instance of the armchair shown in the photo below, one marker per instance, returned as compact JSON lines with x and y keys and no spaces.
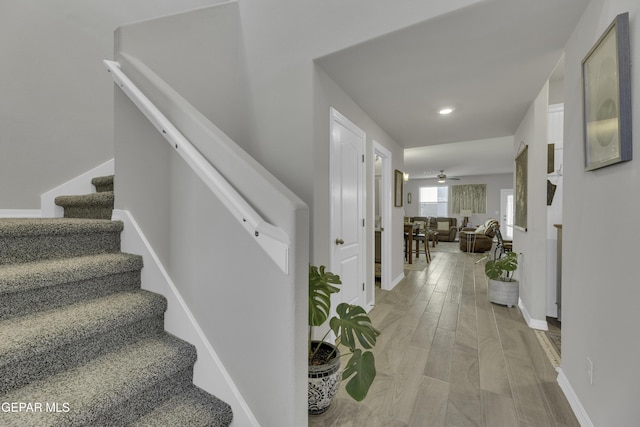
{"x":447,"y":228}
{"x":483,"y":238}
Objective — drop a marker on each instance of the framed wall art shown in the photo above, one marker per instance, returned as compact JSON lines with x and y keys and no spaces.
{"x":606,"y":82}
{"x":398,"y":188}
{"x":522,"y":171}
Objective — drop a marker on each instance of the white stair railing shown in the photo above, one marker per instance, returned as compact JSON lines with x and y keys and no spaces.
{"x":273,"y":240}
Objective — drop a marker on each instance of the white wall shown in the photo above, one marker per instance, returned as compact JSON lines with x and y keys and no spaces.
{"x":56,"y":108}
{"x":67,"y":94}
{"x":600,"y":285}
{"x":233,"y":289}
{"x":495,"y":183}
{"x":329,"y":94}
{"x":282,"y":38}
{"x":531,"y":245}
{"x":288,"y":112}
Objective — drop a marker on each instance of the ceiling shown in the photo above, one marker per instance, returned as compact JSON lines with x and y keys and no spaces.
{"x":488,"y":61}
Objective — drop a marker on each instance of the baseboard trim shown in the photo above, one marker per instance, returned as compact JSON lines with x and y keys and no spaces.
{"x":531,"y":322}
{"x":397,"y":280}
{"x":209,"y":372}
{"x":78,"y":185}
{"x":572,"y":398}
{"x":20,"y":213}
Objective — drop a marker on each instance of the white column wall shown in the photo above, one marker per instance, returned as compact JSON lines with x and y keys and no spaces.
{"x":531,"y":245}
{"x":599,"y":275}
{"x":253,"y":315}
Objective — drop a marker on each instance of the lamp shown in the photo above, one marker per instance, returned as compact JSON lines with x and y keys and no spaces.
{"x":466,"y":213}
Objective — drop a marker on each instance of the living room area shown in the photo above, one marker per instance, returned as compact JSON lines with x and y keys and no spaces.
{"x":445,"y":272}
{"x":588,"y":304}
{"x":477,"y":182}
{"x":465,"y":202}
{"x":448,"y":356}
{"x":437,"y":322}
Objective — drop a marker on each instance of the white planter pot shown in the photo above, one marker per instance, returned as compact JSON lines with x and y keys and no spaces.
{"x":505,"y":293}
{"x":323,"y":382}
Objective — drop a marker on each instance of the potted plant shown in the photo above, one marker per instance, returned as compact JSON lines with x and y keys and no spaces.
{"x":354,"y":332}
{"x":502,"y":287}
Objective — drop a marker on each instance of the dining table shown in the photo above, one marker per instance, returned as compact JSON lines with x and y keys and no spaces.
{"x":409,"y":229}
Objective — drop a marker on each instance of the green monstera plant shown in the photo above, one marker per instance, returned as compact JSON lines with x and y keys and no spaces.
{"x":502,"y":268}
{"x":352,"y":327}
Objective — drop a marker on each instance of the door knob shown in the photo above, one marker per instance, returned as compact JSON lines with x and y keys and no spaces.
{"x":339,"y":241}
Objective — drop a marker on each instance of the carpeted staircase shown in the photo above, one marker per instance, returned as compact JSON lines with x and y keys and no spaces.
{"x":80,"y":343}
{"x":98,"y":205}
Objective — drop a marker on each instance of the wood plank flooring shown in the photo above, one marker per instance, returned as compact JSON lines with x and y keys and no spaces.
{"x":448,"y":357}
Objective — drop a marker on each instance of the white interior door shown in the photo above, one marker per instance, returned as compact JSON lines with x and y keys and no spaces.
{"x":506,"y":214}
{"x":347,"y":183}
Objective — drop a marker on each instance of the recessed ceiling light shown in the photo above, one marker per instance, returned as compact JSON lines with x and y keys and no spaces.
{"x":445,"y":111}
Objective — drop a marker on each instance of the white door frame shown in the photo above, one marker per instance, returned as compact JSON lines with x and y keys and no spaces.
{"x":338,"y":119}
{"x":503,"y":212}
{"x":386,"y":197}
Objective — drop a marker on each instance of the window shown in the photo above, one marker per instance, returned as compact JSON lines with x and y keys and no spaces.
{"x":433,"y":201}
{"x":509,"y":218}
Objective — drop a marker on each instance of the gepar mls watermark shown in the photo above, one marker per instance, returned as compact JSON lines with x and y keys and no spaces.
{"x":34,"y":407}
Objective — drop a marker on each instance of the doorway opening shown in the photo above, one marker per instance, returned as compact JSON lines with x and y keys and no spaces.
{"x":506,"y":213}
{"x":382,"y":211}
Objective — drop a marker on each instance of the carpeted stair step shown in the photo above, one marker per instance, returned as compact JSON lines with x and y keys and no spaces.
{"x":103,"y":183}
{"x":94,"y":205}
{"x":194,"y":408}
{"x":32,"y":239}
{"x":45,"y":343}
{"x":112,"y":390}
{"x":30,"y":287}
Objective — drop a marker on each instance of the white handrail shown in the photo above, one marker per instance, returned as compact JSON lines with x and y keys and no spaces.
{"x":273,"y":240}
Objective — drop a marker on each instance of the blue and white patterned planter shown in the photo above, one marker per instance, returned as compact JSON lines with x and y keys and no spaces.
{"x":324,"y":381}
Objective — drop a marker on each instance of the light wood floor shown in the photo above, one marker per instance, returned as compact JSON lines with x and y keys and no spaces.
{"x":448,"y":357}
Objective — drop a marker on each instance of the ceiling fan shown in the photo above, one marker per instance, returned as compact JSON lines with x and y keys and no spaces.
{"x":443,"y":178}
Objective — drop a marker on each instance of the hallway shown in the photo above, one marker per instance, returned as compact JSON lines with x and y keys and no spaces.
{"x":448,"y":357}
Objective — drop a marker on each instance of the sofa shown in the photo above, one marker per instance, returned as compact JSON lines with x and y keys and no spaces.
{"x":447,"y":228}
{"x":484,"y":236}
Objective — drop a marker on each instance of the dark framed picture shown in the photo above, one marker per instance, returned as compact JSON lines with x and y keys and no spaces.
{"x":398,"y":188}
{"x":522,"y":171}
{"x":606,"y":80}
{"x":551,"y":158}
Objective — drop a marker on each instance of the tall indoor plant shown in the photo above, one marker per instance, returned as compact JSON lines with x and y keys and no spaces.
{"x":353,"y":330}
{"x":502,"y":287}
